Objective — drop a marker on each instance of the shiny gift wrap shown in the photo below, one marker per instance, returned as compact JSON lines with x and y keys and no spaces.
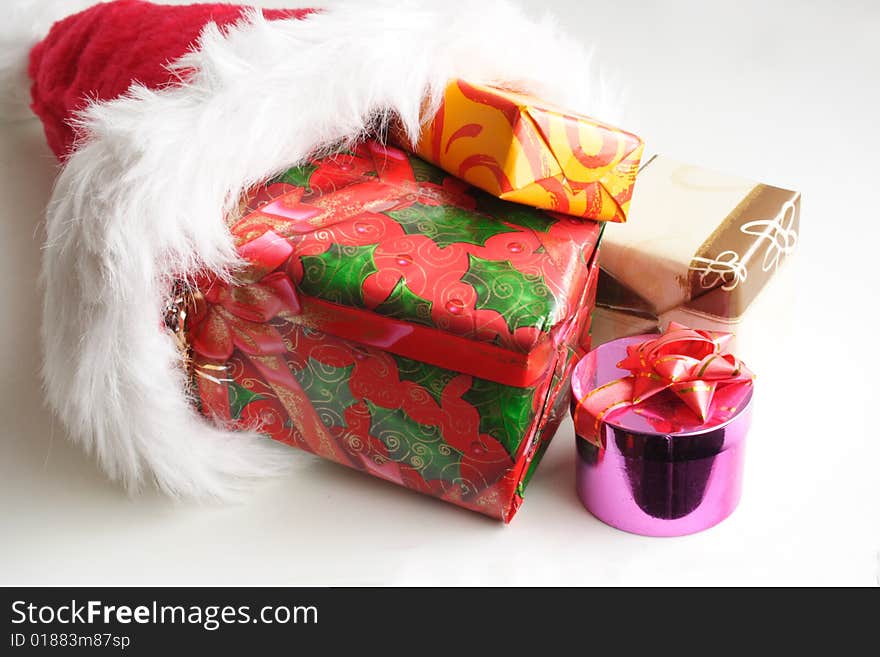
{"x":398,"y":321}
{"x":661,"y":424}
{"x":522,"y":149}
{"x":698,"y":249}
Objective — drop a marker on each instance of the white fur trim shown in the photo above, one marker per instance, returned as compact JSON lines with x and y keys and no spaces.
{"x":143,"y":198}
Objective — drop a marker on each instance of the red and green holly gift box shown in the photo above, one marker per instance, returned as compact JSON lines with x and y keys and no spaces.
{"x":399,"y":321}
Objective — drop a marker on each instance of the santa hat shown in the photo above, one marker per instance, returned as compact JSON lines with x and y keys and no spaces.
{"x":161,"y":116}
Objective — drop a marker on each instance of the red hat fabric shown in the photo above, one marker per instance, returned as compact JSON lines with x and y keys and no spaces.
{"x":97,"y":54}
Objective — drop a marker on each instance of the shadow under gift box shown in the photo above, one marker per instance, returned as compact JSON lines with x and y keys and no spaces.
{"x":698,"y":248}
{"x":658,"y":469}
{"x":397,"y":320}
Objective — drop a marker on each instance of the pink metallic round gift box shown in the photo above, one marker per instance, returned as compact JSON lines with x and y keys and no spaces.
{"x":660,"y":466}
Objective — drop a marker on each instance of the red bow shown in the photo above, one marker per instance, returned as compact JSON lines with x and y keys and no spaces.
{"x":227,"y":316}
{"x":240,"y":316}
{"x":692,"y":364}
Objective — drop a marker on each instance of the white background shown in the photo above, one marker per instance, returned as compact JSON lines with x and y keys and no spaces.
{"x":784,"y":92}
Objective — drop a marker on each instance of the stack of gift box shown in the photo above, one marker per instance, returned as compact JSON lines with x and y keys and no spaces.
{"x":415,"y":311}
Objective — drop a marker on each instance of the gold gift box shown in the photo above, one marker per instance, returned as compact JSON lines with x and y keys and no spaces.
{"x":698,"y":248}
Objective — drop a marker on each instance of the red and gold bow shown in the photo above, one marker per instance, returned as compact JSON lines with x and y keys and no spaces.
{"x":225,"y":317}
{"x":693,"y":365}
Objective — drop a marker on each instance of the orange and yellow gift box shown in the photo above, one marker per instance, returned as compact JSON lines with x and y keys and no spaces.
{"x":522,"y":149}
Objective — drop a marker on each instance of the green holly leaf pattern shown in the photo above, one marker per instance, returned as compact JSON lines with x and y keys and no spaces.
{"x":338,"y":274}
{"x":533,"y":466}
{"x":514,"y":213}
{"x":555,"y":415}
{"x":522,"y":299}
{"x":420,"y":446}
{"x":298,"y":176}
{"x":446,"y":224}
{"x":327,"y":388}
{"x":239,"y":397}
{"x":431,"y":378}
{"x":425,"y":172}
{"x":505,"y":411}
{"x":403,"y":304}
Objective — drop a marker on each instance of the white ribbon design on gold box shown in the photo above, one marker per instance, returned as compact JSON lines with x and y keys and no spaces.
{"x":730,"y":269}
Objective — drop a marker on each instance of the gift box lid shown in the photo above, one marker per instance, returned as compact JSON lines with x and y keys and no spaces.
{"x":698,"y":239}
{"x":374,"y":229}
{"x":681,"y":382}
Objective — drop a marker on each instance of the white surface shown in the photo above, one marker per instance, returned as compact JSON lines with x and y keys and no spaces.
{"x":781,"y":92}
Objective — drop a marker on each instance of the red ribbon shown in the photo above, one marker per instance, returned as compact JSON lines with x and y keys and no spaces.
{"x":693,"y":365}
{"x":238,"y":316}
{"x":227,"y":316}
